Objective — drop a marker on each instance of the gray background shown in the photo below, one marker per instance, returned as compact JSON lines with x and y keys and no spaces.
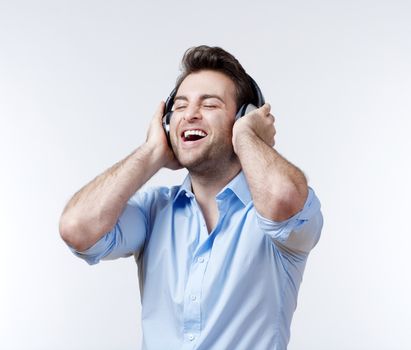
{"x":79,"y":82}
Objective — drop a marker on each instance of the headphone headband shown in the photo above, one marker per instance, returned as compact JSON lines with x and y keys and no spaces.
{"x":257,"y":92}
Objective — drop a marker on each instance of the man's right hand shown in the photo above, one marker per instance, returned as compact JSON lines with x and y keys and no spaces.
{"x":94,"y":210}
{"x":157,"y":141}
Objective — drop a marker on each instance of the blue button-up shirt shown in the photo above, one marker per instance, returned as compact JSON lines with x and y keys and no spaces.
{"x":232,"y":289}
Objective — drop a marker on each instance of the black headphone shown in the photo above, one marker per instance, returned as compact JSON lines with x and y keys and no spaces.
{"x":243,"y":110}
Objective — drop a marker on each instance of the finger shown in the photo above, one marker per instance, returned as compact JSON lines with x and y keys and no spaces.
{"x":160,"y":110}
{"x":265,"y":109}
{"x":271,"y":117}
{"x":273,"y":138}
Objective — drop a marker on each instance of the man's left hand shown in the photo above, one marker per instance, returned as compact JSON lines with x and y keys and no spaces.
{"x":257,"y":123}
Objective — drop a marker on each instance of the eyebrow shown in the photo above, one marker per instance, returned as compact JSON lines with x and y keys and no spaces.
{"x":202,"y":98}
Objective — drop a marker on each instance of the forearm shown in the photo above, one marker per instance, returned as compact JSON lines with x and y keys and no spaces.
{"x":279,"y":189}
{"x":94,"y":210}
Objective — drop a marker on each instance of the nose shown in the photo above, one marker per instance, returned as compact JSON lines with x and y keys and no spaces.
{"x":192,"y":113}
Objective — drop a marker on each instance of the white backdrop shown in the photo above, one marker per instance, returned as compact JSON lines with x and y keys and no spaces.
{"x":79,"y":82}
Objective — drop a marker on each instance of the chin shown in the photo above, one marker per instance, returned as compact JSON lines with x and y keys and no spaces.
{"x":194,"y":164}
{"x":211,"y":166}
{"x":207,"y":158}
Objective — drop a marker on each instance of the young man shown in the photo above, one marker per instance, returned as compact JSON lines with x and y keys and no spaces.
{"x":221,"y":257}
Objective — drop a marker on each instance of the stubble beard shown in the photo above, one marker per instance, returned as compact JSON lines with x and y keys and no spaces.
{"x":212,"y":161}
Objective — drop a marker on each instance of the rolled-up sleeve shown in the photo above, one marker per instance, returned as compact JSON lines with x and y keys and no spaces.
{"x":302,"y":231}
{"x":126,"y":237}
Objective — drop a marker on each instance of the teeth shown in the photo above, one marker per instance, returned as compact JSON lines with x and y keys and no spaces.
{"x":194,"y":132}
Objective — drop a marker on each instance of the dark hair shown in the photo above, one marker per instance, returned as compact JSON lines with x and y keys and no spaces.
{"x":205,"y":57}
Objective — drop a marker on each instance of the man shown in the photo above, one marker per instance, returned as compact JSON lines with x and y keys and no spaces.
{"x":221,"y":257}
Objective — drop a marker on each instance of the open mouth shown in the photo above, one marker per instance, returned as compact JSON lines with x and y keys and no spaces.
{"x":193,"y":135}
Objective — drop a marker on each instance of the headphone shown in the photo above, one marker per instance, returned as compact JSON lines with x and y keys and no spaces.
{"x":243,"y":110}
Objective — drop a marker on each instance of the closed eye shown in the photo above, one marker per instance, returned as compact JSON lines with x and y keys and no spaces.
{"x":211,"y":102}
{"x":179,"y":108}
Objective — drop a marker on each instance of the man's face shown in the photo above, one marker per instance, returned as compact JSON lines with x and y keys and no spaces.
{"x":202,"y":121}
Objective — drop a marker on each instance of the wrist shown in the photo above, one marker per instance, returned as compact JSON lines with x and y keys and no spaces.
{"x":240,"y":137}
{"x":153,"y":155}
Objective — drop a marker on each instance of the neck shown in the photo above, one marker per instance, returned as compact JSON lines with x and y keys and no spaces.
{"x":206,"y":185}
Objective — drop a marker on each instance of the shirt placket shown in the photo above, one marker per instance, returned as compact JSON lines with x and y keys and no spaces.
{"x":193,"y":290}
{"x":192,"y":301}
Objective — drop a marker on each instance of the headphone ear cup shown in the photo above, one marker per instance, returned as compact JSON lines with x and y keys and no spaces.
{"x":241,"y":112}
{"x":244,"y":109}
{"x":166,"y":122}
{"x":168,"y":113}
{"x":166,"y":125}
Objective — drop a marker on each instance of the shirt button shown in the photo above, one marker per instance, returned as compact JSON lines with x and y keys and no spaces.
{"x":190,"y":337}
{"x":193,"y":298}
{"x":200,"y":259}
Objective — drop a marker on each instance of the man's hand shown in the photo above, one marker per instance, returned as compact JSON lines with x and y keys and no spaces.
{"x":257,"y":123}
{"x":94,"y":210}
{"x":157,"y":141}
{"x":279,"y":189}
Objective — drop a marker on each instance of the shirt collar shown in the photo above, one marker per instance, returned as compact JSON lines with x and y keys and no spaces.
{"x":238,"y":185}
{"x":185,"y":189}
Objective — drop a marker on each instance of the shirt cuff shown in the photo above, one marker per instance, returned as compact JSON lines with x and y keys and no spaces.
{"x":280,"y":230}
{"x":96,"y":252}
